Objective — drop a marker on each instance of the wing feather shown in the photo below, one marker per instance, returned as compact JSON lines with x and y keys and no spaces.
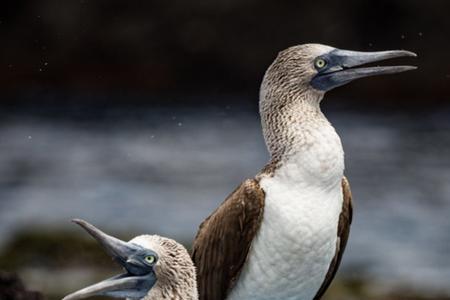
{"x":345,"y":220}
{"x":223,"y":241}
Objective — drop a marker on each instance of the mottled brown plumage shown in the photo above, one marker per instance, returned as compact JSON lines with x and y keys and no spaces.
{"x":174,"y":270}
{"x":221,"y":246}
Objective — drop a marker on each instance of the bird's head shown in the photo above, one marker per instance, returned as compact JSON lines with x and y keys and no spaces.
{"x":318,"y":68}
{"x":148,"y":260}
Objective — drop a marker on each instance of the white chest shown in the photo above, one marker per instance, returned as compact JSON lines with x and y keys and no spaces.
{"x":293,"y":249}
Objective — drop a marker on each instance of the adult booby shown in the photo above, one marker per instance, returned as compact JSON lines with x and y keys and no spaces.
{"x":157,"y":268}
{"x":281,"y":235}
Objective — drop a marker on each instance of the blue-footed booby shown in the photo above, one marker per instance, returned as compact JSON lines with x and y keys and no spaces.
{"x":281,"y":234}
{"x":156,"y":268}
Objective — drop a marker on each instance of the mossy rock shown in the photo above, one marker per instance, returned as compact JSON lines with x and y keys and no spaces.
{"x":12,"y":288}
{"x":50,"y":249}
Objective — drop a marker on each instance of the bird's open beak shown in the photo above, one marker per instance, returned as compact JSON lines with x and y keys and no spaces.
{"x":133,"y":284}
{"x":341,"y":67}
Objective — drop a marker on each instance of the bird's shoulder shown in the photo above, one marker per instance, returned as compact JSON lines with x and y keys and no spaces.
{"x":223,"y":241}
{"x":247,"y":200}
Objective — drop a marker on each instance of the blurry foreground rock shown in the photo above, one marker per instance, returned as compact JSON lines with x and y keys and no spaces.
{"x":12,"y":288}
{"x":57,"y":262}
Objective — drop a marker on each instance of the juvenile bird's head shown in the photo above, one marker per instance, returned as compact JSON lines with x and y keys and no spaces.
{"x":155,"y":268}
{"x":315,"y":69}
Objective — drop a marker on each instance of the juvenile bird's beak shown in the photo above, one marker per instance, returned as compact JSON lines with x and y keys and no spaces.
{"x":341,"y":63}
{"x":133,"y":284}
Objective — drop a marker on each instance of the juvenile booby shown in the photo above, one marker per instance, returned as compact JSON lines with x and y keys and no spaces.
{"x":281,"y":235}
{"x":157,"y":268}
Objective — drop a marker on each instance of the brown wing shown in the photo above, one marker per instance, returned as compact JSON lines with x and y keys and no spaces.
{"x":223,"y":241}
{"x":345,"y":219}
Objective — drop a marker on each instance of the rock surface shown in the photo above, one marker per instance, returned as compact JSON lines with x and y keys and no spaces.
{"x":12,"y":288}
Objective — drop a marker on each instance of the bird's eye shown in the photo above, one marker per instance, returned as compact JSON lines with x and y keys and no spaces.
{"x":320,"y":63}
{"x":150,"y":259}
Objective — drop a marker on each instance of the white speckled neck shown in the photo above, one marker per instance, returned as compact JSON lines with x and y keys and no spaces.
{"x":297,"y":132}
{"x":284,"y":115}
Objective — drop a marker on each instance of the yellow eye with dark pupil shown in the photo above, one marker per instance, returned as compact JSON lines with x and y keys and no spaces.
{"x":150,"y":259}
{"x":320,"y":63}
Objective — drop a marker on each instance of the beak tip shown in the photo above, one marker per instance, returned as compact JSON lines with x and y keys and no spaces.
{"x":80,"y":222}
{"x":85,"y":225}
{"x":409,"y":53}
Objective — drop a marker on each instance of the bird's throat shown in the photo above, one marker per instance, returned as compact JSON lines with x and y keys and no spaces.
{"x":287,"y":120}
{"x":301,"y":140}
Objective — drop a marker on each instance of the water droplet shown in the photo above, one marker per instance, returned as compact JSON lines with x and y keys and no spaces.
{"x":180,"y":124}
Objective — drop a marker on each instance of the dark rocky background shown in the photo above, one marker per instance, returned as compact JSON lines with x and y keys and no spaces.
{"x":112,"y":47}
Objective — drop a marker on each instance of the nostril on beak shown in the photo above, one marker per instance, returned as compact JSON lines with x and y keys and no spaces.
{"x":133,"y":262}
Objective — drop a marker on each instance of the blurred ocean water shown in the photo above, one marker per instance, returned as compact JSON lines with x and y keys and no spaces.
{"x":164,"y":170}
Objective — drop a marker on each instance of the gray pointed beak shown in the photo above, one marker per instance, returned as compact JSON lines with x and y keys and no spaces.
{"x":341,"y":67}
{"x":119,"y":250}
{"x":134,"y":284}
{"x":121,"y":286}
